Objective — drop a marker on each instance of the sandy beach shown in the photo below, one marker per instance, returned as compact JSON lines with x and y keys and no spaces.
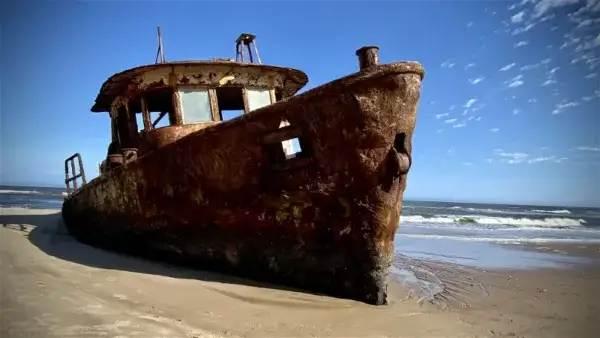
{"x":53,"y":286}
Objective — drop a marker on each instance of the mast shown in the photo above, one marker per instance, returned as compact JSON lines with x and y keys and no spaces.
{"x":248,"y":41}
{"x":160,"y":55}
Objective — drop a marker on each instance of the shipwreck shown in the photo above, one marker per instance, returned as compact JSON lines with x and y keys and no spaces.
{"x":303,"y":190}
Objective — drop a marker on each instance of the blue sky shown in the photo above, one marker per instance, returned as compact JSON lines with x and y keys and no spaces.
{"x":509,"y":112}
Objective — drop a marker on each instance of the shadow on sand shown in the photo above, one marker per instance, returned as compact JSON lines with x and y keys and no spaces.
{"x":50,"y":235}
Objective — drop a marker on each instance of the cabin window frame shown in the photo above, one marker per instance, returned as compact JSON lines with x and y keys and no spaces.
{"x":141,"y":98}
{"x":269,"y":91}
{"x":217,"y":110}
{"x":211,"y":101}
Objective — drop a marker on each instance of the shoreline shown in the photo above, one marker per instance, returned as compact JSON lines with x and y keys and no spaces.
{"x":53,"y":285}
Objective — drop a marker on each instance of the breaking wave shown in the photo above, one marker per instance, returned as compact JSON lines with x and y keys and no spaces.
{"x":564,"y":212}
{"x":548,"y":222}
{"x":31,"y":192}
{"x":508,"y":240}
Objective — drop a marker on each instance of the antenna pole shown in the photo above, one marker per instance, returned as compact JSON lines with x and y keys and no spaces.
{"x":160,"y":54}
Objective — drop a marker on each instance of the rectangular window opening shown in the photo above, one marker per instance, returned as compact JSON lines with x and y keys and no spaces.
{"x":159,"y":103}
{"x":258,"y":98}
{"x":291,"y":148}
{"x":195,"y":105}
{"x":230,"y":101}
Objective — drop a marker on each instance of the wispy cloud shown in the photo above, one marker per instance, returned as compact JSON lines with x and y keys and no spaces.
{"x":523,"y":29}
{"x":470,"y":65}
{"x":511,"y":158}
{"x":450,"y":121}
{"x":470,"y":103}
{"x":447,"y":64}
{"x":516,"y":111}
{"x":544,"y":6}
{"x":467,"y":163}
{"x":595,"y":95}
{"x":587,"y":148}
{"x":559,"y":108}
{"x":476,"y":80}
{"x":591,"y":75}
{"x":521,"y":44}
{"x":470,"y":24}
{"x":551,"y":158}
{"x":517,"y":18}
{"x":507,"y":67}
{"x":459,"y":125}
{"x":548,"y":82}
{"x":516,"y":81}
{"x":441,"y":116}
{"x":495,"y":130}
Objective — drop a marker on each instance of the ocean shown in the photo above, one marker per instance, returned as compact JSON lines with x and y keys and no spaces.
{"x":477,"y":235}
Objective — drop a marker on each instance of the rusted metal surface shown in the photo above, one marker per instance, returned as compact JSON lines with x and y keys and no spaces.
{"x":154,"y":139}
{"x":368,"y":56}
{"x":224,"y":197}
{"x":206,"y":73}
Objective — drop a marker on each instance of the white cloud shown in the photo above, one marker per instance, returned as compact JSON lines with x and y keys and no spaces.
{"x":549,"y":82}
{"x":511,"y":158}
{"x":591,"y":75}
{"x":544,"y":6}
{"x":440,"y":130}
{"x":470,"y":65}
{"x":532,"y":66}
{"x":516,"y":111}
{"x":592,"y":43}
{"x":523,"y":29}
{"x":551,"y":158}
{"x":559,"y":108}
{"x":450,"y":121}
{"x":586,"y":148}
{"x":516,"y":81}
{"x":469,"y":103}
{"x":519,"y":17}
{"x":470,"y":24}
{"x":553,"y":70}
{"x":521,"y":44}
{"x":467,"y":163}
{"x":495,"y":130}
{"x":459,"y":125}
{"x":532,"y":100}
{"x":447,"y":64}
{"x":595,"y":95}
{"x":440,"y":116}
{"x":507,"y":67}
{"x":516,"y":158}
{"x":476,"y":80}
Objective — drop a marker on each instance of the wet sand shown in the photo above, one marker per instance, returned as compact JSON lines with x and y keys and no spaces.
{"x":51,"y":285}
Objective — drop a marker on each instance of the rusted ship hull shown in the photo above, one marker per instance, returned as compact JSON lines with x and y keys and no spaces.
{"x":225,"y":198}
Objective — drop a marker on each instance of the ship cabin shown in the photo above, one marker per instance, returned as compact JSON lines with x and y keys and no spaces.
{"x":153,"y":105}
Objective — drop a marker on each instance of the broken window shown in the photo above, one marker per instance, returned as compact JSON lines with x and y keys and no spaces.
{"x":195,"y":105}
{"x":258,"y":98}
{"x":230,"y":101}
{"x":286,"y":143}
{"x":291,"y":147}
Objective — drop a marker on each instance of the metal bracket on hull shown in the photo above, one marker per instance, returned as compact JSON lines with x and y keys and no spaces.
{"x":75,"y":176}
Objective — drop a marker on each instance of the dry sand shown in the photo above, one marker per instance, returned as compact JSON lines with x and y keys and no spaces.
{"x":53,"y":286}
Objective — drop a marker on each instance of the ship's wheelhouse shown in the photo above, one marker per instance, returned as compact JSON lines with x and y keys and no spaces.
{"x":158,"y":104}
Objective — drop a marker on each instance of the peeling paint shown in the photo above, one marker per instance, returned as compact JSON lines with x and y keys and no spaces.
{"x":221,"y":196}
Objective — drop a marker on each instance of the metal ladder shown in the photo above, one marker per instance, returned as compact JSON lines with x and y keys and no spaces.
{"x":74,"y":177}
